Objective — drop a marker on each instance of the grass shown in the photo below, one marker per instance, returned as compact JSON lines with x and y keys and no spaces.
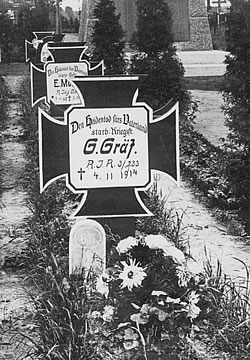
{"x":4,"y":92}
{"x":14,"y":69}
{"x":205,"y":167}
{"x":210,"y":83}
{"x":229,"y":322}
{"x":3,"y":102}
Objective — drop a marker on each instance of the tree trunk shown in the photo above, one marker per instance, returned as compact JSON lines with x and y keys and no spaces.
{"x":83,"y":29}
{"x":57,"y":17}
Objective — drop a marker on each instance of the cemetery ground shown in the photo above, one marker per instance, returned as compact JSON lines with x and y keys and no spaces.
{"x":49,"y":221}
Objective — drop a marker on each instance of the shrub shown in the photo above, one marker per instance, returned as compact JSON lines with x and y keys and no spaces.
{"x":155,"y":55}
{"x":6,"y":36}
{"x":107,"y":38}
{"x":3,"y":101}
{"x":236,"y":93}
{"x":236,"y":89}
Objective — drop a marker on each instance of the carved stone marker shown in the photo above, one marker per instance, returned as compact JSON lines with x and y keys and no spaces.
{"x":87,"y":247}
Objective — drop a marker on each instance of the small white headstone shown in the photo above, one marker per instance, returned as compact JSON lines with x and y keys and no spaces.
{"x":87,"y":247}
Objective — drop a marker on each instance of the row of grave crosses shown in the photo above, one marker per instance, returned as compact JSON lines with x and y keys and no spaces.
{"x":98,"y":138}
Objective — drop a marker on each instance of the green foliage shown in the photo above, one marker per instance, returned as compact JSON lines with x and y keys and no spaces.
{"x":40,"y":14}
{"x":164,"y":79}
{"x":203,"y":165}
{"x":154,"y":27}
{"x":156,"y":56}
{"x":149,"y":298}
{"x":66,"y":306}
{"x":29,"y":19}
{"x":4,"y":92}
{"x":237,"y":78}
{"x":228,"y":311}
{"x":76,"y":25}
{"x":6,"y":37}
{"x":25,"y":22}
{"x":69,"y":25}
{"x":153,"y":316}
{"x":236,"y":93}
{"x":107,"y":38}
{"x":164,"y":221}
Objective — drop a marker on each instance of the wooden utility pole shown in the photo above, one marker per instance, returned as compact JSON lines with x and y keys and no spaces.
{"x":208,"y":5}
{"x":57,"y":17}
{"x":83,"y":29}
{"x":219,"y":11}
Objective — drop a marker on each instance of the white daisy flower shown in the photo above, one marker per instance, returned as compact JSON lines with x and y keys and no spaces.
{"x":132,"y":275}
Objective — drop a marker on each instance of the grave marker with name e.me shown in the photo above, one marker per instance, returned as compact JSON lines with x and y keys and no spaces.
{"x":52,"y":82}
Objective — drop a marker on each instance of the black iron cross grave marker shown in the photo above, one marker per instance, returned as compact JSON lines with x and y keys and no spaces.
{"x":52,"y":81}
{"x":107,"y":147}
{"x":36,"y":51}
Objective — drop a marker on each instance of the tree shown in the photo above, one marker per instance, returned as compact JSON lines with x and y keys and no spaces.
{"x":6,"y":36}
{"x":41,"y":16}
{"x":236,"y":93}
{"x":31,"y":19}
{"x":107,"y":38}
{"x":154,"y":27}
{"x":156,"y":55}
{"x":25,"y":22}
{"x":237,"y":78}
{"x":64,"y":23}
{"x":76,"y":25}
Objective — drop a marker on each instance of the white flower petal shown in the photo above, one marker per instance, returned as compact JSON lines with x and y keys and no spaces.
{"x":175,"y":253}
{"x":157,"y":242}
{"x":158,"y":293}
{"x":127,"y":244}
{"x":132,"y":275}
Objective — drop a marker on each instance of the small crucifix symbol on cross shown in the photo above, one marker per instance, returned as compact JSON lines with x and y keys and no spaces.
{"x":81,"y":172}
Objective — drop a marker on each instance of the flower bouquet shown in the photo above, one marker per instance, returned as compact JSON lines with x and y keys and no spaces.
{"x":150,"y":299}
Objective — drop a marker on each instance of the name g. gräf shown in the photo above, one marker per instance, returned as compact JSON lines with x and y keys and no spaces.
{"x":108,"y":146}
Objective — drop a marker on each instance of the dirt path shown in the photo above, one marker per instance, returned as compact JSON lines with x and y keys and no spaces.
{"x":15,"y":310}
{"x":201,"y":227}
{"x":204,"y":231}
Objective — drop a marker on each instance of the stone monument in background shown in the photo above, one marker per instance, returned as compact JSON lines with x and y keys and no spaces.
{"x":199,"y":31}
{"x":190,"y":22}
